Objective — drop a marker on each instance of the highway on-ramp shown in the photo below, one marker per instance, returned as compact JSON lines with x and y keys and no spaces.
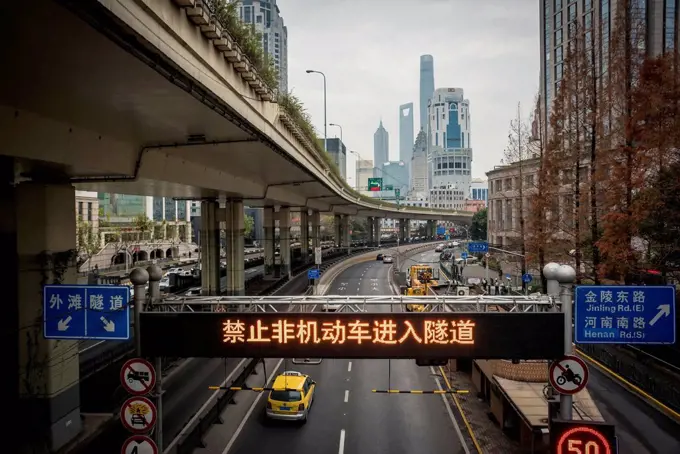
{"x":346,"y":416}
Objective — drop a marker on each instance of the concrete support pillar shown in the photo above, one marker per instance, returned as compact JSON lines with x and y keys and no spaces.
{"x":376,"y":232}
{"x":316,"y":230}
{"x":402,"y":230}
{"x":235,"y":230}
{"x":344,"y":233}
{"x":38,"y":236}
{"x":304,"y":235}
{"x":268,"y":243}
{"x":210,"y":249}
{"x":338,"y":230}
{"x":284,"y":240}
{"x":371,"y":235}
{"x":407,"y":229}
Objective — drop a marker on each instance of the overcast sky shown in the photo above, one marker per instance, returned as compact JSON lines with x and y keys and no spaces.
{"x":370,"y":52}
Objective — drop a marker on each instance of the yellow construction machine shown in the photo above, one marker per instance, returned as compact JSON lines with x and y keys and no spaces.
{"x":420,"y":278}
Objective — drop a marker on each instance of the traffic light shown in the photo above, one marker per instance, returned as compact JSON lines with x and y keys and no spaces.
{"x":427,"y":362}
{"x":582,"y":437}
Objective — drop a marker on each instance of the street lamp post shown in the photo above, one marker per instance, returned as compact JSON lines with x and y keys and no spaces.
{"x":325,"y":132}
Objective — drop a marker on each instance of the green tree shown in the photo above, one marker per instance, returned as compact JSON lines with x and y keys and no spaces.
{"x":87,"y":240}
{"x":143,"y":224}
{"x":249,"y":225}
{"x":478,"y":227}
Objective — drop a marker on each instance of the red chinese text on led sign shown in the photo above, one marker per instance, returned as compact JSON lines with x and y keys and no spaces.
{"x":386,"y":331}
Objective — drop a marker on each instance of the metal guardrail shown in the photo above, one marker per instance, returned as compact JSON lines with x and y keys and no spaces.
{"x":194,"y":437}
{"x":665,"y":389}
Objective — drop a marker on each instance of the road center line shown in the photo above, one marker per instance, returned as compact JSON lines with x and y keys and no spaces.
{"x":349,"y":367}
{"x":341,"y":448}
{"x":346,"y":395}
{"x":250,"y":410}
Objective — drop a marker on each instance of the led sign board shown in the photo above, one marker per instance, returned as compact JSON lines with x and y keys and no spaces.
{"x":353,"y":335}
{"x":584,"y":437}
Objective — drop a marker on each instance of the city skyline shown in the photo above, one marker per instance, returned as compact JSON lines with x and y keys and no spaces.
{"x":370,"y":77}
{"x":406,"y":140}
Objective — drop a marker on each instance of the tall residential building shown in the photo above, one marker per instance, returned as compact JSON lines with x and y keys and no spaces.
{"x":364,"y":171}
{"x":406,"y":135}
{"x":419,"y":187}
{"x":265,"y":16}
{"x":381,"y":147}
{"x":451,"y":153}
{"x":660,"y":17}
{"x":426,"y":86}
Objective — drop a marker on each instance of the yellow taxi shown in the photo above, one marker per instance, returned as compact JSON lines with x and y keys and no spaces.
{"x":291,"y":397}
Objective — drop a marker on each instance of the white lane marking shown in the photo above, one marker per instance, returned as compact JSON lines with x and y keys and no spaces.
{"x":341,"y":448}
{"x":346,"y":395}
{"x":199,"y":413}
{"x":349,"y":367}
{"x":250,"y":410}
{"x":450,"y":412}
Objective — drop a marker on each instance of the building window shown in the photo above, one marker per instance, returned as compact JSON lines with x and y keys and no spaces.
{"x":572,"y":12}
{"x":558,"y":5}
{"x":558,"y":37}
{"x":558,"y":55}
{"x":669,"y":25}
{"x":558,"y":73}
{"x":558,"y":20}
{"x":89,"y":211}
{"x":247,"y":14}
{"x":80,"y":211}
{"x":587,"y":5}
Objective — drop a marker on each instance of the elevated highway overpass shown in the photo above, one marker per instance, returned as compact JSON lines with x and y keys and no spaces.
{"x":145,"y":97}
{"x":141,"y":97}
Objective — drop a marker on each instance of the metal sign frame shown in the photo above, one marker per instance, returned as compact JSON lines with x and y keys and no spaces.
{"x":312,"y":303}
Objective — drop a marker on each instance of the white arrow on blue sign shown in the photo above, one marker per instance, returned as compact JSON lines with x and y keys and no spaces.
{"x":478,"y":247}
{"x":313,"y":273}
{"x":86,"y":312}
{"x":624,"y":314}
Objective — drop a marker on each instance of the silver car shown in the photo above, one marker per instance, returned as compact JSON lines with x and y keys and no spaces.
{"x":388,"y":259}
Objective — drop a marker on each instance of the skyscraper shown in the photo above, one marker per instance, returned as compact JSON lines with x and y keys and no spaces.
{"x":381,"y":147}
{"x":659,"y":17}
{"x":426,"y":86}
{"x":419,"y":187}
{"x":450,"y":147}
{"x":406,"y":135}
{"x":265,"y":16}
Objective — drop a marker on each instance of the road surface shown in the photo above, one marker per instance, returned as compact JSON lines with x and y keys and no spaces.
{"x":346,"y":417}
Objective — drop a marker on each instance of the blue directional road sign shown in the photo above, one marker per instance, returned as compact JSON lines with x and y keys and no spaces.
{"x":313,"y":274}
{"x":463,"y":255}
{"x":478,"y":247}
{"x":86,"y":312}
{"x":624,"y":314}
{"x":526,"y":278}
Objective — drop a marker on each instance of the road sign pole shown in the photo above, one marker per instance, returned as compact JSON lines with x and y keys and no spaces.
{"x":565,"y":276}
{"x":139,"y":278}
{"x":159,"y":404}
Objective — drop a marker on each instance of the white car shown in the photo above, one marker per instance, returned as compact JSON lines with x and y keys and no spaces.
{"x":388,"y":259}
{"x":164,"y":284}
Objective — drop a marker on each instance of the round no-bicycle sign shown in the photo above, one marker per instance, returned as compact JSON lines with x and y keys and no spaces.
{"x":138,"y":415}
{"x":139,"y":444}
{"x":569,"y":375}
{"x":138,"y":376}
